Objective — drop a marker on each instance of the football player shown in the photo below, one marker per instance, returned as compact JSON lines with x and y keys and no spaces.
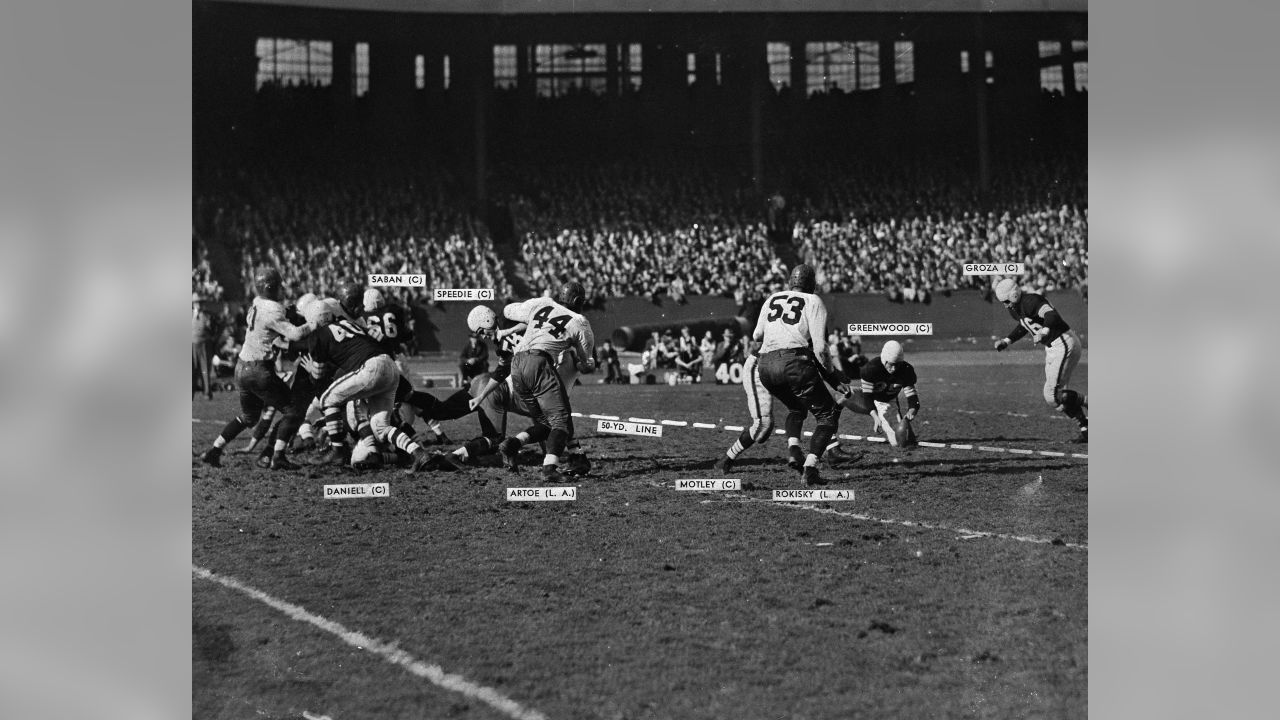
{"x":759,"y":404}
{"x":1038,"y":318}
{"x":388,"y":325}
{"x":256,"y":376}
{"x":883,"y":379}
{"x":792,"y":331}
{"x":494,"y":397}
{"x":555,"y":325}
{"x":363,"y":371}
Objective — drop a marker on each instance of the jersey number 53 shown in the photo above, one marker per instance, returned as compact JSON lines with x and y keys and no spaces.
{"x":790,"y":315}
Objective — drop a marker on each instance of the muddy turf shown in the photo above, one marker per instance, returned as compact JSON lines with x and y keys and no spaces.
{"x":953,"y":586}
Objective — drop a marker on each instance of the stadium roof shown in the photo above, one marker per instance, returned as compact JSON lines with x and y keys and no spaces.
{"x":523,"y":7}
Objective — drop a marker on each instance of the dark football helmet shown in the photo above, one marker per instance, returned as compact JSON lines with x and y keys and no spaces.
{"x":802,"y":279}
{"x":572,"y":295}
{"x":268,"y":283}
{"x":352,"y":298}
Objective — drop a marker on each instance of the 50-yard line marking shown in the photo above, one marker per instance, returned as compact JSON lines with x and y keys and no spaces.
{"x":387,"y":651}
{"x":869,"y":438}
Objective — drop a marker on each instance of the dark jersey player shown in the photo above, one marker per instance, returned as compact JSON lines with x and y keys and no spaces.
{"x":883,"y":379}
{"x":362,"y":371}
{"x":1037,"y":318}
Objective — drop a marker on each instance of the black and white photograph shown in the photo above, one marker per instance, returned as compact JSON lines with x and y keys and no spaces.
{"x":697,"y":360}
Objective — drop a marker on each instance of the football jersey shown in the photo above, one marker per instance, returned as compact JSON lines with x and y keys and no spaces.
{"x":268,"y":329}
{"x":883,"y":386}
{"x":388,"y":327}
{"x":505,"y":349}
{"x":341,"y":343}
{"x":553,"y":328}
{"x":1032,"y":313}
{"x":792,"y":319}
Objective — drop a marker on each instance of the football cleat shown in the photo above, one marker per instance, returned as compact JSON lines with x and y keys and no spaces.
{"x":552,"y":474}
{"x":796,"y":461}
{"x":280,"y":462}
{"x":421,"y":461}
{"x":304,"y":444}
{"x":446,"y":462}
{"x":1084,"y":435}
{"x":337,"y":455}
{"x":725,"y":464}
{"x":811,"y":477}
{"x":510,"y":452}
{"x":578,"y":464}
{"x":212,"y":456}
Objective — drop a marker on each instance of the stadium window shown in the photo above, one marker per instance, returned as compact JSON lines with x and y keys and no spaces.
{"x":846,"y":66}
{"x":631,"y":65}
{"x":868,"y":59}
{"x":691,"y":65}
{"x":504,"y":67}
{"x":964,"y":61}
{"x":420,"y":72}
{"x":1050,"y":48}
{"x":990,"y":59}
{"x":361,"y":70}
{"x":779,"y":55}
{"x":718,"y":79}
{"x":904,"y":62}
{"x":1079,"y":45}
{"x":1082,"y":76}
{"x":294,"y":62}
{"x":446,"y":72}
{"x":1051,"y":78}
{"x":561,"y":69}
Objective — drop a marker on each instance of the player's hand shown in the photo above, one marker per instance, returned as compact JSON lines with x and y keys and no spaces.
{"x":1041,"y":334}
{"x":586,"y":367}
{"x":911,"y":414}
{"x":473,"y":403}
{"x":1001,"y":344}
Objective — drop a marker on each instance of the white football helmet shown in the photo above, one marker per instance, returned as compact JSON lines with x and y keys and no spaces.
{"x":304,"y":301}
{"x":1007,"y":291}
{"x":891,"y":353}
{"x":482,"y":319}
{"x":372,"y":299}
{"x":318,"y":312}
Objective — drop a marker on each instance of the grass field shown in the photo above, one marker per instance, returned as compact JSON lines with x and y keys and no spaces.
{"x":953,"y":586}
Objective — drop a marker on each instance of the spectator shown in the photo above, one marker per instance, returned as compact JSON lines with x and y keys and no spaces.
{"x":474,"y":359}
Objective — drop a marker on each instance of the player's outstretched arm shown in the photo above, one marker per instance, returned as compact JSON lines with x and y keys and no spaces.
{"x":484,"y":392}
{"x":291,"y":332}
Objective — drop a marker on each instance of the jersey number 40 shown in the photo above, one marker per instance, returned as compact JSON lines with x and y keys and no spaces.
{"x":557,"y":323}
{"x":790,"y":315}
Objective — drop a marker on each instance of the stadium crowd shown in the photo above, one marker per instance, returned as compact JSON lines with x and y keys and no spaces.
{"x":328,"y":227}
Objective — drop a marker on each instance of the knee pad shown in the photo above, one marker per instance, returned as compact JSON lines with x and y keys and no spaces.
{"x":1068,"y":399}
{"x":250,"y":420}
{"x":1050,"y":396}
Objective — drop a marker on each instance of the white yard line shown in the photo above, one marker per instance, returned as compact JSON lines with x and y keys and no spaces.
{"x":387,"y":651}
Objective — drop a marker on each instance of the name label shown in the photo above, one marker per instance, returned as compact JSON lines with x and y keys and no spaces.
{"x":629,"y":428}
{"x":397,"y":281}
{"x":994,"y":268}
{"x":540,"y":494}
{"x":451,"y":294}
{"x":812,"y":495}
{"x":709,"y":484}
{"x":890,"y":328}
{"x":365,"y":490}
